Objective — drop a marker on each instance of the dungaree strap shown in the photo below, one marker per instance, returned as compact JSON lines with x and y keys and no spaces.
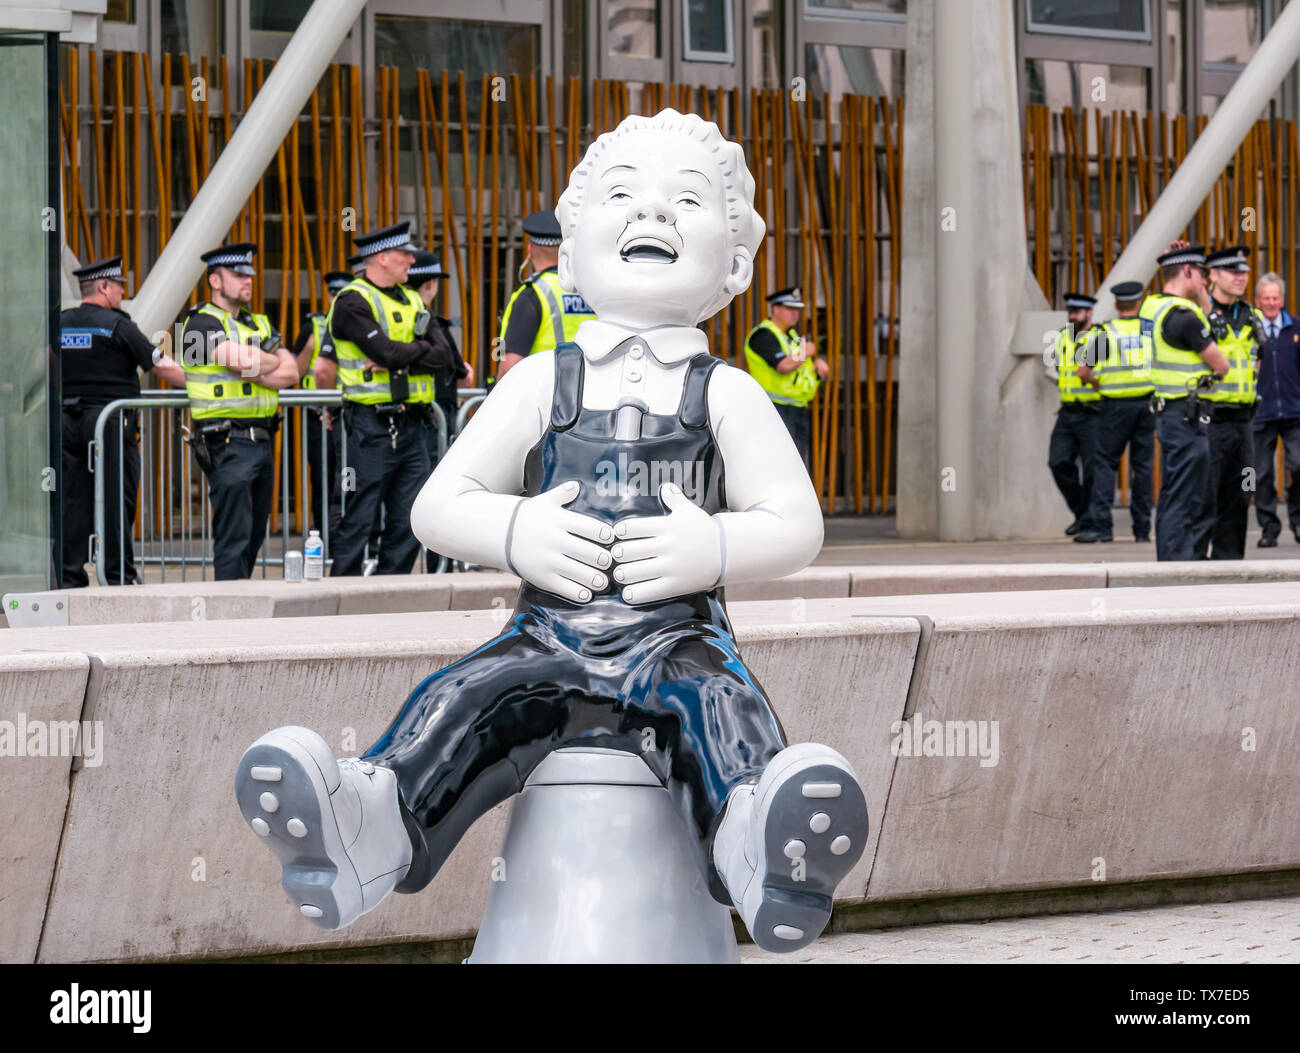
{"x":568,"y":387}
{"x":694,"y":410}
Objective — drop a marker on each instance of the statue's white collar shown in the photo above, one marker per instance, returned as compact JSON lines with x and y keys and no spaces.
{"x":669,"y":344}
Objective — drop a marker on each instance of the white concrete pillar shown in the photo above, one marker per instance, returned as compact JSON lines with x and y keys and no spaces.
{"x":974,"y":418}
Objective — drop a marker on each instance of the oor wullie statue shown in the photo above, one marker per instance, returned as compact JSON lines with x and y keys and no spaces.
{"x":620,"y":632}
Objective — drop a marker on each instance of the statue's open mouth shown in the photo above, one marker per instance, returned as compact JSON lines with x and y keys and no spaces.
{"x":651,"y":249}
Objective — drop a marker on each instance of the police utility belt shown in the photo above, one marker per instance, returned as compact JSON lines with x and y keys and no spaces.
{"x":225,"y":431}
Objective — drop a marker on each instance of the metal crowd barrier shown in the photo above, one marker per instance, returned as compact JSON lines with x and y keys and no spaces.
{"x":173,"y":515}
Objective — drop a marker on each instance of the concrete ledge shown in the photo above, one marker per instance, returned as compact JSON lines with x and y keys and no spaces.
{"x":1144,"y":734}
{"x":189,"y":880}
{"x":271,"y":598}
{"x":41,"y":696}
{"x":976,"y":577}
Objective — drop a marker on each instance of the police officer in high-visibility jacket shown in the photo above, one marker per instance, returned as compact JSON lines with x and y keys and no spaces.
{"x":1073,"y":443}
{"x":377,"y":327}
{"x":234,"y":367}
{"x":1238,"y":329}
{"x":1186,"y":361}
{"x":319,"y":369}
{"x":540,"y":315}
{"x":101,"y":352}
{"x":1121,"y":365}
{"x":786,"y":366}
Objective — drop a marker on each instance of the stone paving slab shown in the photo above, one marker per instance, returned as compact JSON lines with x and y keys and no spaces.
{"x":1250,"y":931}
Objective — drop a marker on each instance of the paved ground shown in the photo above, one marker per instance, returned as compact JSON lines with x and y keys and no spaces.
{"x":864,"y":540}
{"x":1261,"y":930}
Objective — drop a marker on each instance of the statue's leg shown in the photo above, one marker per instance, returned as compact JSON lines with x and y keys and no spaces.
{"x":470,"y":735}
{"x":780,"y":825}
{"x":706,"y":725}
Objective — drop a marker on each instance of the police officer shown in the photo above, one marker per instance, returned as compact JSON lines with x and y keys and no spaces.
{"x":1073,"y":443}
{"x":234,"y":367}
{"x":1185,"y":361}
{"x":425,"y":277}
{"x":1120,"y":364}
{"x":377,"y":328}
{"x":318,"y":369}
{"x":100,"y":351}
{"x":540,"y":315}
{"x":786,"y":366}
{"x":1238,"y":330}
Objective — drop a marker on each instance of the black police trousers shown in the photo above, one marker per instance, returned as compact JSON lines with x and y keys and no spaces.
{"x":798,"y":421}
{"x":1184,"y":475}
{"x":381,"y":474}
{"x":1221,"y":529}
{"x":1070,"y":456}
{"x":121,"y":462}
{"x":1124,"y":422}
{"x":318,"y":470}
{"x":241,"y":486}
{"x":1265,"y":440}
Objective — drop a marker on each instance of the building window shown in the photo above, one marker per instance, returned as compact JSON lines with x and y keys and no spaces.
{"x":891,"y":9}
{"x":1059,"y":85}
{"x":632,"y":28}
{"x":277,"y":16}
{"x":120,"y":11}
{"x":193,"y":27}
{"x":1171,"y":56}
{"x":838,"y":70}
{"x":765,"y":45}
{"x":706,"y":35}
{"x":1129,"y":19}
{"x":437,"y":44}
{"x":1232,"y":32}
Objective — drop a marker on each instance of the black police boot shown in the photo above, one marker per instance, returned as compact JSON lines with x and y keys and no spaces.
{"x":1090,"y":537}
{"x":1073,"y":528}
{"x":1267,"y":541}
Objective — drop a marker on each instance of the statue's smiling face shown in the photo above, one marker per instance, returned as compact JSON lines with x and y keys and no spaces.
{"x":652,"y":241}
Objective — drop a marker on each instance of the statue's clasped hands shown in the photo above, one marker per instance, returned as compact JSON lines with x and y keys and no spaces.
{"x":653,"y":557}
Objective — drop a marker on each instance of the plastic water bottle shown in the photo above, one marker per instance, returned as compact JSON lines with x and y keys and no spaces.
{"x":313,"y":557}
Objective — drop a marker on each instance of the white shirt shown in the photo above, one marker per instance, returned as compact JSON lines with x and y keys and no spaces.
{"x":773,"y":525}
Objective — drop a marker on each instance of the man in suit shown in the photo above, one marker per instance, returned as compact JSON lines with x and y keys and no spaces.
{"x":1277,"y":414}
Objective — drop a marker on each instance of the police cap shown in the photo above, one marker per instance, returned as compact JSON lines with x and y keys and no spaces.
{"x":237,"y":258}
{"x":1126,"y":292}
{"x":1077,"y":301}
{"x":543,"y":229}
{"x":791,"y":297}
{"x":398,"y":236}
{"x":1193,"y":254}
{"x":335,"y":280}
{"x":426,"y":267}
{"x":1232,"y":258}
{"x":110,"y":269}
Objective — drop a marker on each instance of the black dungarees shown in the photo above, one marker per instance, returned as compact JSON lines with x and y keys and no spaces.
{"x":666,"y":675}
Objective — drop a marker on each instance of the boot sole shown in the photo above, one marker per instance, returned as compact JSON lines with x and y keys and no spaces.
{"x":297,"y":823}
{"x":821,"y":808}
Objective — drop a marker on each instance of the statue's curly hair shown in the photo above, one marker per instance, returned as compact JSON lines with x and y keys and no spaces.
{"x":746,"y":225}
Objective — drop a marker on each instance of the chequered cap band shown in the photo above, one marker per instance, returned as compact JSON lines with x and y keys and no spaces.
{"x":542,"y":240}
{"x":232,"y":259}
{"x":393,"y":241}
{"x":1182,"y":257}
{"x":1074,"y":301}
{"x":102,"y":273}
